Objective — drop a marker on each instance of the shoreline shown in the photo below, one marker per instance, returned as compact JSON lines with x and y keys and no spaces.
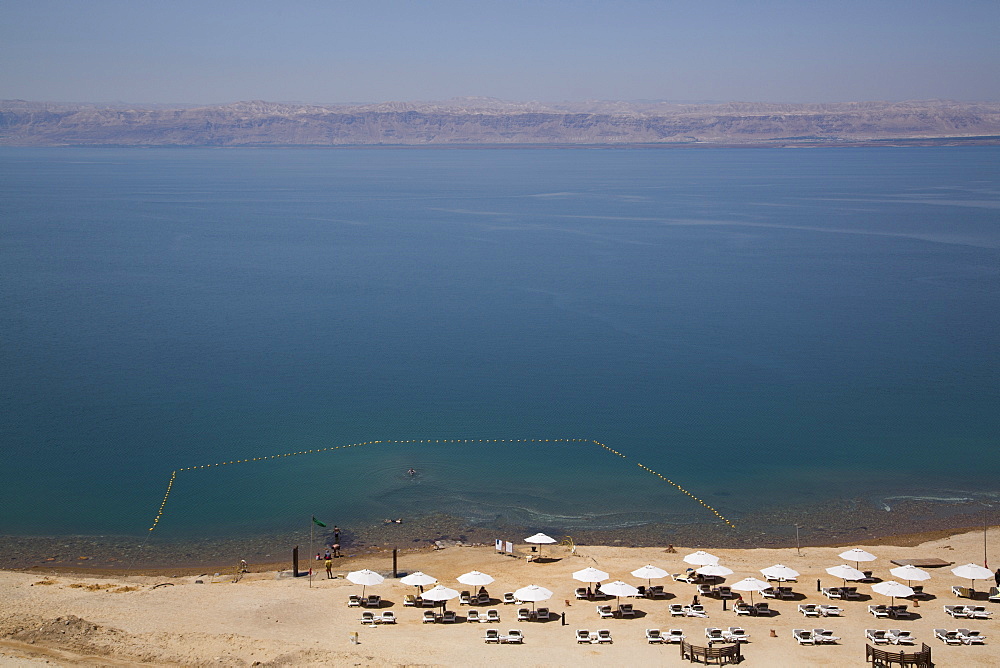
{"x":847,"y":522}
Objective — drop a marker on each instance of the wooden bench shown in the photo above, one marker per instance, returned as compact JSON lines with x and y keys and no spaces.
{"x":706,"y":655}
{"x":883,"y":659}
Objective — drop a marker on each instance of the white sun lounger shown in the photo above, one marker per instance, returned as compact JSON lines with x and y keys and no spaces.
{"x":803,"y":637}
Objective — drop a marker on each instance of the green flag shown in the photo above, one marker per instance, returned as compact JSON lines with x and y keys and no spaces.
{"x":318,"y":522}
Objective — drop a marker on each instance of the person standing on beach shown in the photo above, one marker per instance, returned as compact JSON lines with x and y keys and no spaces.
{"x":329,"y":567}
{"x":996,"y":576}
{"x":336,"y":534}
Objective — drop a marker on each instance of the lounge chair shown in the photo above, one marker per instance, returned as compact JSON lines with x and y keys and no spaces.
{"x":677,"y":610}
{"x":523,"y":615}
{"x":367,"y":617}
{"x":626,"y":610}
{"x":581,"y":593}
{"x":770,"y":592}
{"x":387,"y":618}
{"x":971,"y":637}
{"x":583,"y":635}
{"x":482,"y":599}
{"x":994,"y":595}
{"x":508,"y":598}
{"x":879,"y":610}
{"x":448,"y":617}
{"x":824,"y":636}
{"x":465,"y":598}
{"x":492,"y":615}
{"x":492,"y":635}
{"x":785,"y":593}
{"x":833,"y":592}
{"x":675,"y":635}
{"x":513,"y":637}
{"x":956,"y":610}
{"x":851,"y":593}
{"x":473,"y":616}
{"x":742,"y":609}
{"x":696,"y":611}
{"x":353,"y":601}
{"x":899,"y":612}
{"x":429,"y":617}
{"x":918,"y":591}
{"x":409,"y":601}
{"x":604,"y":611}
{"x":604,"y":635}
{"x":978,"y":612}
{"x":736,"y":634}
{"x":962,"y":592}
{"x":656,"y":591}
{"x":761,"y":609}
{"x":714,"y":634}
{"x":680,"y":577}
{"x":899,"y":637}
{"x":640,"y":592}
{"x":868,"y":577}
{"x":877,"y":636}
{"x":803,"y":637}
{"x":809,"y":609}
{"x":372,"y":601}
{"x":654,"y":636}
{"x":830,"y":611}
{"x":724,"y":593}
{"x":542,"y":615}
{"x":704,"y":590}
{"x":948,"y":637}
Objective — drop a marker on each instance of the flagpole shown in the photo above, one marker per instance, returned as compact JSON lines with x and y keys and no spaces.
{"x":312,"y":529}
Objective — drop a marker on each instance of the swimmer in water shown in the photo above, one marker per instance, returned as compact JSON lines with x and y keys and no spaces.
{"x":412,"y":472}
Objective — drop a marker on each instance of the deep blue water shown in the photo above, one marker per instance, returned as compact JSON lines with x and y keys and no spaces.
{"x":761,"y":326}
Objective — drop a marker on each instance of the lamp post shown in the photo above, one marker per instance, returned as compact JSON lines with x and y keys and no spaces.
{"x":798,"y":549}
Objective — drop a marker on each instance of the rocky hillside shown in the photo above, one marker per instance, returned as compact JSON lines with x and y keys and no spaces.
{"x":489,"y":121}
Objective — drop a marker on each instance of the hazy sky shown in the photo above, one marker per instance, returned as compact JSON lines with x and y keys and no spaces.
{"x":208,"y":51}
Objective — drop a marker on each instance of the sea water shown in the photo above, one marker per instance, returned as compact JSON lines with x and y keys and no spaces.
{"x":759,"y":326}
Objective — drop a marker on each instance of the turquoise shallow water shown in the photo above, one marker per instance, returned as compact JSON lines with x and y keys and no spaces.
{"x":821,"y":319}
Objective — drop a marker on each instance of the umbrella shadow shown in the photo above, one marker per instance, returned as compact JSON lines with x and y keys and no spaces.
{"x":546,"y":560}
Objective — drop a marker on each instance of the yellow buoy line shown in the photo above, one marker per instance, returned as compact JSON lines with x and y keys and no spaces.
{"x":173,"y":475}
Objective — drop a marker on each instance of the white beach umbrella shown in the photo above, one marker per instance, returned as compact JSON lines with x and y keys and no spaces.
{"x":418,"y":579}
{"x":972,"y":572}
{"x":892,"y":589}
{"x":475,"y":579}
{"x":845,"y":573}
{"x":780,"y":572}
{"x":751,"y":585}
{"x":909,"y":572}
{"x":590,"y":574}
{"x":649,"y":572}
{"x":439,"y":593}
{"x":364,"y":578}
{"x":857,"y":555}
{"x":618,"y":589}
{"x":714,"y":569}
{"x":701,"y":558}
{"x":532,"y":593}
{"x":540,"y":539}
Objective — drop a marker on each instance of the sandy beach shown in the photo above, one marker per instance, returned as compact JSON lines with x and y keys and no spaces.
{"x":269,"y":618}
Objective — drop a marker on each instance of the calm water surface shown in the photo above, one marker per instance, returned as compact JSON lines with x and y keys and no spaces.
{"x":761,"y":326}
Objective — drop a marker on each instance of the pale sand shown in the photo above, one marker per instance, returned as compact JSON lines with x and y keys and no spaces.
{"x":282,"y":621}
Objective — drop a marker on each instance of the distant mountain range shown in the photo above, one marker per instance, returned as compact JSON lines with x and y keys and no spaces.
{"x":479,"y":121}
